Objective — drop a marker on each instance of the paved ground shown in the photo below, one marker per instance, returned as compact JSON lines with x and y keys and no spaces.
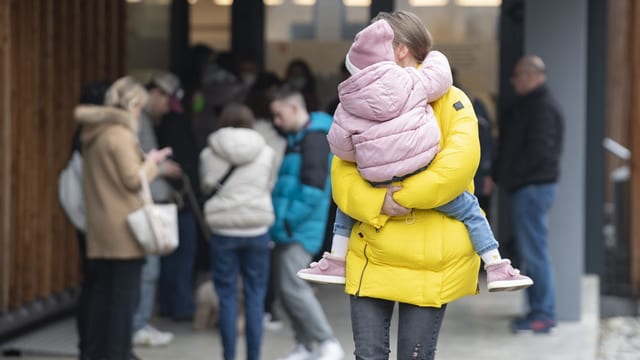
{"x":474,"y":328}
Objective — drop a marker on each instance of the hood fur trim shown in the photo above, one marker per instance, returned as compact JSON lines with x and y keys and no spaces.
{"x":95,"y":115}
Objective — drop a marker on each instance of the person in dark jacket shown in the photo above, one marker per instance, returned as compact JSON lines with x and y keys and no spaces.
{"x":483,"y":184}
{"x":528,"y":169}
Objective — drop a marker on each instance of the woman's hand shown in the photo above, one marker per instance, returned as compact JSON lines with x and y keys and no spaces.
{"x":170,"y":169}
{"x":159,"y":156}
{"x":390,"y":206}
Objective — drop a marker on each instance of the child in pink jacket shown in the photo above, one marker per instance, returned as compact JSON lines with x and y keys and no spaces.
{"x":384,"y":124}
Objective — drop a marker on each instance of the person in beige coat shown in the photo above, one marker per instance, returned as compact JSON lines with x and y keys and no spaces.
{"x":111,"y":183}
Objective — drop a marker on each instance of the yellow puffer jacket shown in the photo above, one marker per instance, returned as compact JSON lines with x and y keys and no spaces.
{"x":426,"y":260}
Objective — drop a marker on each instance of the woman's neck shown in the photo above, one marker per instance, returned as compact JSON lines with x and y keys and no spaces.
{"x":408,"y":61}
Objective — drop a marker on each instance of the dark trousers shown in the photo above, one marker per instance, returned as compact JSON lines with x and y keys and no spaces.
{"x":114,"y":300}
{"x":418,"y":329}
{"x":84,"y":298}
{"x":175,"y":286}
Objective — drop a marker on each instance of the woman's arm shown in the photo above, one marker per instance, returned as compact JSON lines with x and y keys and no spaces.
{"x":451,"y":171}
{"x":355,"y":196}
{"x":128,"y":159}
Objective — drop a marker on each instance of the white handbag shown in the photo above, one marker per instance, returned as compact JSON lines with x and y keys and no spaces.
{"x":155,"y":226}
{"x":70,"y":192}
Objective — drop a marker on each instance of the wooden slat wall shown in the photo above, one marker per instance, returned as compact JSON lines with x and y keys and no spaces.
{"x":5,"y":146}
{"x":634,"y":131}
{"x":48,"y":50}
{"x":623,"y":112}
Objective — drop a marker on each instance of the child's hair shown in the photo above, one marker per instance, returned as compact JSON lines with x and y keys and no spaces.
{"x":126,"y":92}
{"x":409,"y":30}
{"x":237,"y":116}
{"x":289,"y":95}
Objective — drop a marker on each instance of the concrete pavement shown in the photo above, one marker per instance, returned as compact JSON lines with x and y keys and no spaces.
{"x":475,"y":327}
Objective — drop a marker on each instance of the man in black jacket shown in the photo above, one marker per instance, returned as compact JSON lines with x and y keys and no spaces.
{"x":528,"y":169}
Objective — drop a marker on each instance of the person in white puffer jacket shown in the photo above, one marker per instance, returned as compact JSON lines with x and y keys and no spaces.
{"x":239,"y":215}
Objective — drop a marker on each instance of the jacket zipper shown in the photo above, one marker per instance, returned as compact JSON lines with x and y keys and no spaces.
{"x":366,"y":262}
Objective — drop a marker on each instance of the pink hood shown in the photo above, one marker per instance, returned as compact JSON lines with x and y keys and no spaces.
{"x":384,"y":122}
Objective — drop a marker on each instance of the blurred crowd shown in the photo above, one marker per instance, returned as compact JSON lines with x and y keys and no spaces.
{"x":189,"y":135}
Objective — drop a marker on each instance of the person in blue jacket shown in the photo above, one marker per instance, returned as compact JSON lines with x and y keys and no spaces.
{"x":301,"y":199}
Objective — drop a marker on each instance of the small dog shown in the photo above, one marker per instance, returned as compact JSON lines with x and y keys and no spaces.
{"x":208,"y":306}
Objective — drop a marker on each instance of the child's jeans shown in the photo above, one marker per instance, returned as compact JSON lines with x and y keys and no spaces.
{"x":465,"y":208}
{"x":343,"y":224}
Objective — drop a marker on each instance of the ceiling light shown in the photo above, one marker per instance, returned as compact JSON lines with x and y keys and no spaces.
{"x":134,"y":1}
{"x":304,"y":2}
{"x":223,"y":2}
{"x":273,"y":2}
{"x":355,"y":3}
{"x":192,"y":2}
{"x":428,"y":2}
{"x":479,"y":3}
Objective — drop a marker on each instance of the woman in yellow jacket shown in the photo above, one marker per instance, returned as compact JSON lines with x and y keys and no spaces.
{"x":400,"y":250}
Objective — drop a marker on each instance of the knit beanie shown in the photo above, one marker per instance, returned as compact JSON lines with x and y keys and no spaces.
{"x":371,"y":45}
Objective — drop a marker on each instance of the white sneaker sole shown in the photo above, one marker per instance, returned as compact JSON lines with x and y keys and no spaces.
{"x":322,"y":279}
{"x":509,"y":285}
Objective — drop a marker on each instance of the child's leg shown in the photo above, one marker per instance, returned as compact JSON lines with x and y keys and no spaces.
{"x":466,"y":209}
{"x":341,"y":233}
{"x":501,"y":276}
{"x":331,"y":268}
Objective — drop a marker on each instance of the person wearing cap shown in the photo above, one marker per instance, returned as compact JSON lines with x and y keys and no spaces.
{"x":175,"y":293}
{"x":163,"y":92}
{"x":396,"y":138}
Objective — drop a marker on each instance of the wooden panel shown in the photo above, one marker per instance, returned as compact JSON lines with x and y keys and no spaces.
{"x":37,"y":156}
{"x":54,"y":47}
{"x":618,"y":84}
{"x":5,"y":152}
{"x":15,"y":288}
{"x":68,"y":262}
{"x":46,"y":120}
{"x":103,"y":36}
{"x":634,"y":131}
{"x":28,"y":166}
{"x":59,"y":69}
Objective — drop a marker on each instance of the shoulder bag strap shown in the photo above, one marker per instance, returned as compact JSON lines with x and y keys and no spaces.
{"x":145,"y":191}
{"x":221,"y":182}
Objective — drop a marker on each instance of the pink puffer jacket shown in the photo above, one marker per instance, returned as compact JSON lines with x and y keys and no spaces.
{"x":384,"y":122}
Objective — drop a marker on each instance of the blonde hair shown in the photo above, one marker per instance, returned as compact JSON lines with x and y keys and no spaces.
{"x":125,"y":93}
{"x":408,"y":30}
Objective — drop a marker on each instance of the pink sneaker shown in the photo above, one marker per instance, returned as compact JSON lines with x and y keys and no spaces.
{"x":503,"y":277}
{"x":329,"y":270}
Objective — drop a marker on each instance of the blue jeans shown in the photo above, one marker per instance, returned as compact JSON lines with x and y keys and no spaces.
{"x":465,"y":208}
{"x":418,"y":329}
{"x":150,"y":273}
{"x":175,"y":286}
{"x":249,"y":257}
{"x":529,"y":216}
